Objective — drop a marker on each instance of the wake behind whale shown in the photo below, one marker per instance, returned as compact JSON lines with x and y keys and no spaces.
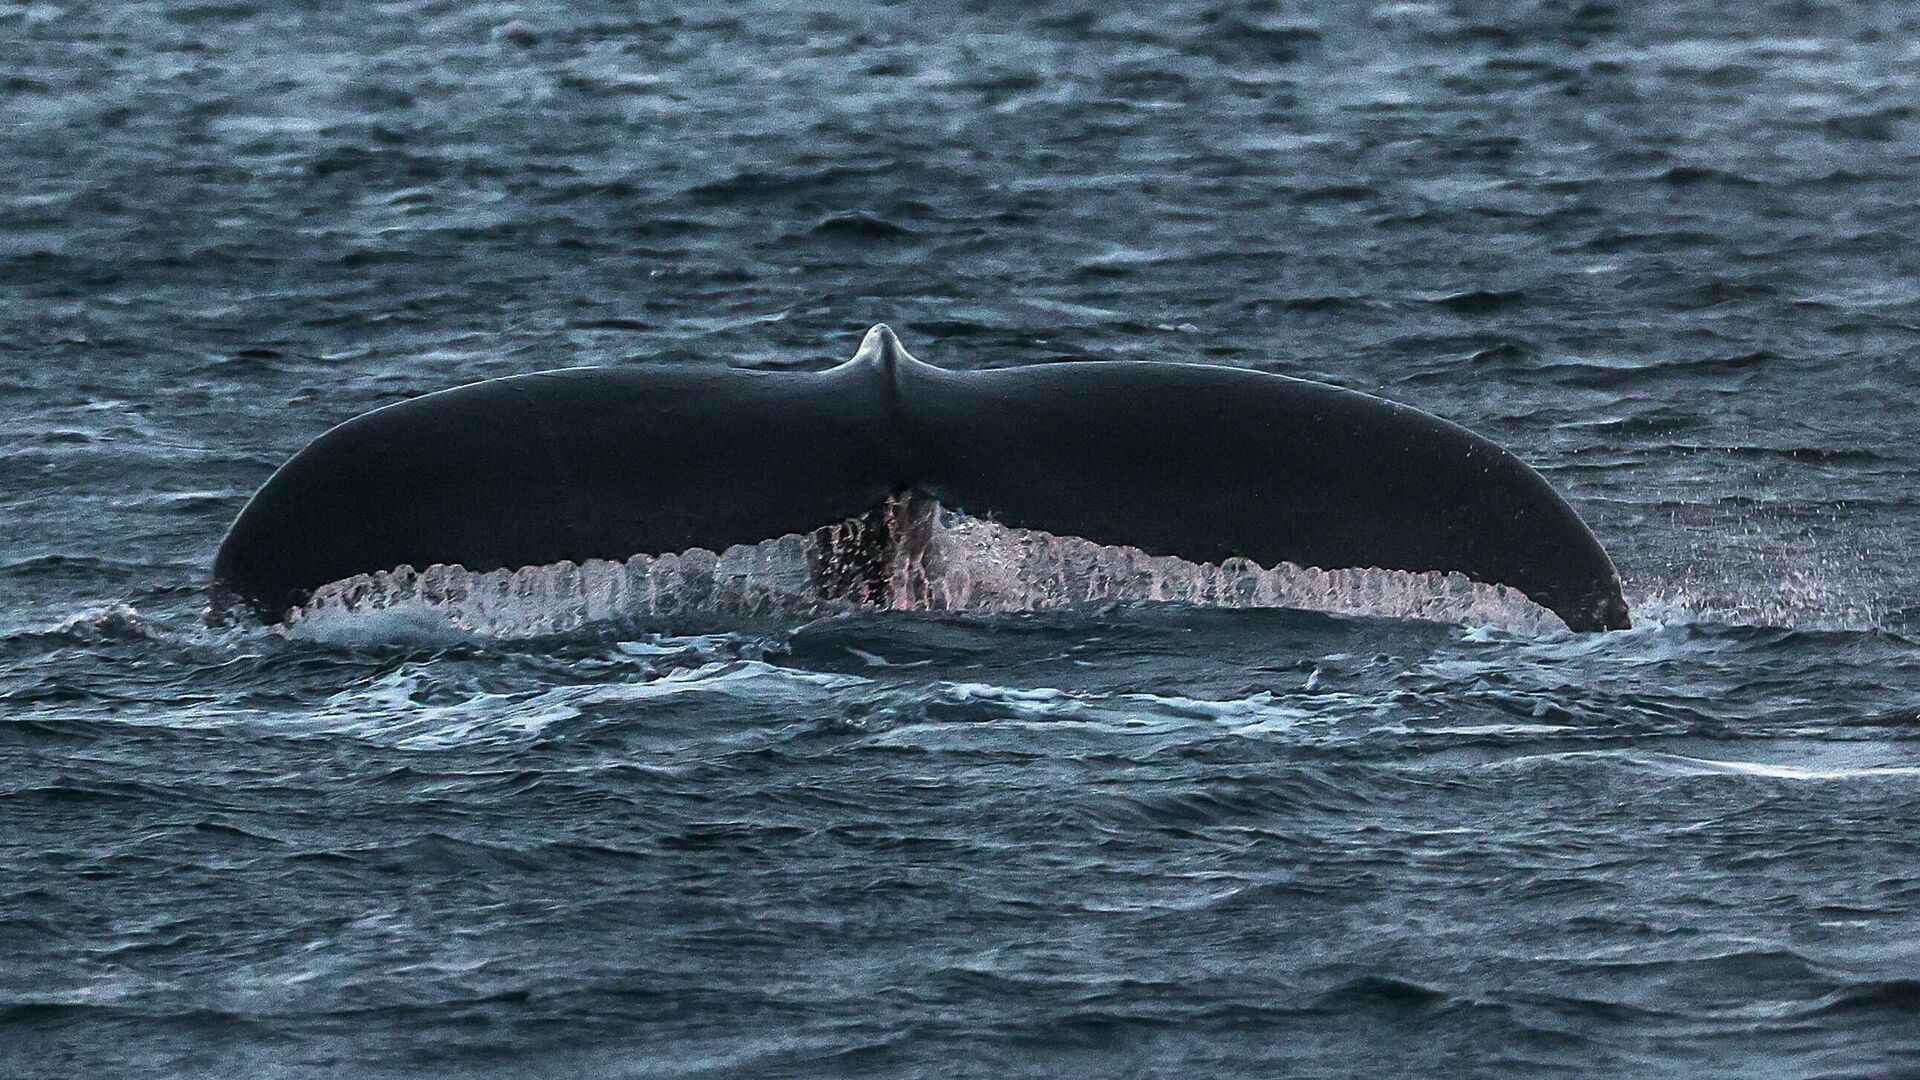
{"x":542,"y":503}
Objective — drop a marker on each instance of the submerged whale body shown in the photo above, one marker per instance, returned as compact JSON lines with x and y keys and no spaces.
{"x":1205,"y":464}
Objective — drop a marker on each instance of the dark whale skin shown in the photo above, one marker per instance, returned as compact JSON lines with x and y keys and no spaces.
{"x":1203,"y":463}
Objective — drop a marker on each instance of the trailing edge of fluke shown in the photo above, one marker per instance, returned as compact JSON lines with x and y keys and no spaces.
{"x":1204,"y":463}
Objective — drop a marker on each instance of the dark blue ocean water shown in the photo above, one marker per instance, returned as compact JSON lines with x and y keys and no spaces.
{"x":1662,"y":250}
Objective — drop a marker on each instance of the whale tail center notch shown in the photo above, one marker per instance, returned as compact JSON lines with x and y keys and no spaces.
{"x":1205,"y":464}
{"x":881,"y":348}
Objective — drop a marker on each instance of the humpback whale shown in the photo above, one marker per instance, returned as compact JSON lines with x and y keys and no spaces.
{"x":1198,"y":462}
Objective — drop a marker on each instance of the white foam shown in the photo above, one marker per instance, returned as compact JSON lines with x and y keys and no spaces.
{"x":936,"y":561}
{"x":1709,"y":766}
{"x":1818,"y":763}
{"x":390,"y":710}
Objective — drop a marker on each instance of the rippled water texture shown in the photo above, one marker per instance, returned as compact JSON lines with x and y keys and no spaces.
{"x":1662,"y":251}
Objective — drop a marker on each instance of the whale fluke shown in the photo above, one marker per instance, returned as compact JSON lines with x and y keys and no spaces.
{"x":1203,"y":463}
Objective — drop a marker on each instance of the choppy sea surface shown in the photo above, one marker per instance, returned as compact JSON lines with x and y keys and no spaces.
{"x":1662,"y":250}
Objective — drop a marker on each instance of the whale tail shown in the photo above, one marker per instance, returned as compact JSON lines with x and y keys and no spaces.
{"x":1201,"y":463}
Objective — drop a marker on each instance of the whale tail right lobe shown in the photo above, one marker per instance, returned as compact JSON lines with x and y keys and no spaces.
{"x":1209,"y":463}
